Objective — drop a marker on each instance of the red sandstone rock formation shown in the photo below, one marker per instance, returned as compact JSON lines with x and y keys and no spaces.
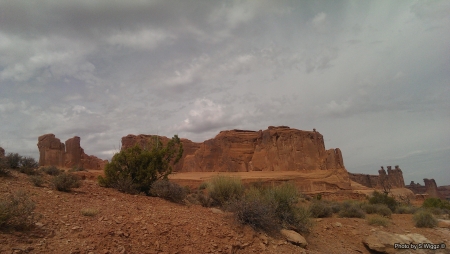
{"x":429,"y":188}
{"x":54,"y":153}
{"x":392,"y":179}
{"x":274,"y":149}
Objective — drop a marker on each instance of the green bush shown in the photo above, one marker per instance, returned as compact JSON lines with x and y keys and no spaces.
{"x":383,"y":198}
{"x":168,"y":190}
{"x":378,"y":221}
{"x":351,"y":210}
{"x":320,"y":209}
{"x":225,"y":189}
{"x":13,"y":160}
{"x":28,"y":163}
{"x":270,"y":209}
{"x":4,"y":171}
{"x":335,"y":207}
{"x":51,"y":170}
{"x":424,"y":219}
{"x":17,"y":210}
{"x":142,"y":166}
{"x":256,"y":210}
{"x":380,"y":209}
{"x":65,"y":182}
{"x":436,"y":203}
{"x":204,"y":199}
{"x":203,"y":186}
{"x":406,"y":209}
{"x":37,"y":180}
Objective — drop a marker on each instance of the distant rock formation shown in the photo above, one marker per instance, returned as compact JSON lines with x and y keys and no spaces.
{"x":275,"y":149}
{"x":393,"y":178}
{"x":2,"y":152}
{"x":430,"y":188}
{"x":54,"y":153}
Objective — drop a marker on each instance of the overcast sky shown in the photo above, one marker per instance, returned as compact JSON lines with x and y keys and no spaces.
{"x":373,"y":77}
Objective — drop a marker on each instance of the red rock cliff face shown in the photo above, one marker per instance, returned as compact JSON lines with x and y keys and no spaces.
{"x":274,"y":149}
{"x":393,"y":178}
{"x":54,"y":153}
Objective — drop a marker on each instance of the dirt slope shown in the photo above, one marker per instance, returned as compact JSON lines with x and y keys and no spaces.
{"x":139,"y":224}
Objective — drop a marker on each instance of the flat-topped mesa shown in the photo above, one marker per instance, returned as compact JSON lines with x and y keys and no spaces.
{"x":393,"y":178}
{"x":54,"y":153}
{"x":275,"y":149}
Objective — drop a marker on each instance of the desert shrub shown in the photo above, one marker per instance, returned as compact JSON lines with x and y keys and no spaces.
{"x":51,"y":170}
{"x":89,"y":212}
{"x":77,"y":168}
{"x":28,"y":163}
{"x":335,"y":207}
{"x":168,"y":190}
{"x":4,"y":171}
{"x":37,"y":180}
{"x":142,"y":165}
{"x":285,"y":196}
{"x":351,"y":210}
{"x":203,"y":186}
{"x":256,"y":210}
{"x":406,"y":209}
{"x":270,"y":209}
{"x":383,"y":198}
{"x":378,"y":221}
{"x":126,"y":185}
{"x":204,"y":199}
{"x":436,"y":203}
{"x":320,"y":209}
{"x":424,"y":219}
{"x":225,"y":189}
{"x":13,"y":160}
{"x":65,"y":182}
{"x":380,"y":209}
{"x":17,"y":210}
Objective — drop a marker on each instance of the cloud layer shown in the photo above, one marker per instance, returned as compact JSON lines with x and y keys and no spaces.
{"x":372,"y":77}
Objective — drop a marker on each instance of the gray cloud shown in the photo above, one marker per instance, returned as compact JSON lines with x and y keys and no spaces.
{"x":372,"y":77}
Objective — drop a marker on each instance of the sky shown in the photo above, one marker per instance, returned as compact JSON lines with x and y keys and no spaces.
{"x":373,"y":77}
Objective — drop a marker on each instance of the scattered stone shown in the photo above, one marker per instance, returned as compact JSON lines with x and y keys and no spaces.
{"x":39,"y":224}
{"x":337,"y":224}
{"x":215,"y":210}
{"x":384,"y":242}
{"x":294,"y":237}
{"x":444,"y":223}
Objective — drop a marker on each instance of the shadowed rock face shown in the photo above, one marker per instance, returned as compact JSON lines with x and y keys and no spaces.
{"x":54,"y":153}
{"x":429,"y":188}
{"x":275,"y":149}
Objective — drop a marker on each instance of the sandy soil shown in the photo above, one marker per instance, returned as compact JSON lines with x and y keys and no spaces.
{"x":139,"y":224}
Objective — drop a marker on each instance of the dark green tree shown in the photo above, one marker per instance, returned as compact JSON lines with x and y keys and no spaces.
{"x":135,"y":169}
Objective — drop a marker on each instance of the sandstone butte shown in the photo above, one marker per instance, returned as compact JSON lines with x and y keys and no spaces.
{"x":296,"y":155}
{"x":54,"y":153}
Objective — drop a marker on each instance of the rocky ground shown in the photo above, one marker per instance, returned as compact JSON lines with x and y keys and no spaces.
{"x":139,"y":224}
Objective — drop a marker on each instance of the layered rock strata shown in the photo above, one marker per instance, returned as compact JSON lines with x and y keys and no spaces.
{"x":52,"y":152}
{"x":393,"y":178}
{"x":275,"y":149}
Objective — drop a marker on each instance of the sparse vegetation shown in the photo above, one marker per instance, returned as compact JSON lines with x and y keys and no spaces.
{"x":424,"y":219}
{"x":380,"y":209}
{"x":383,"y":198}
{"x":89,"y":212}
{"x":225,"y":189}
{"x":271,"y":208}
{"x":168,"y":190}
{"x":141,"y":167}
{"x":51,"y":170}
{"x":16,"y":210}
{"x":406,"y":209}
{"x":351,"y":210}
{"x":203,"y":186}
{"x":320,"y":209}
{"x":378,"y":221}
{"x":13,"y":160}
{"x":77,"y":168}
{"x":4,"y":171}
{"x":37,"y":180}
{"x":436,"y":203}
{"x":65,"y":182}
